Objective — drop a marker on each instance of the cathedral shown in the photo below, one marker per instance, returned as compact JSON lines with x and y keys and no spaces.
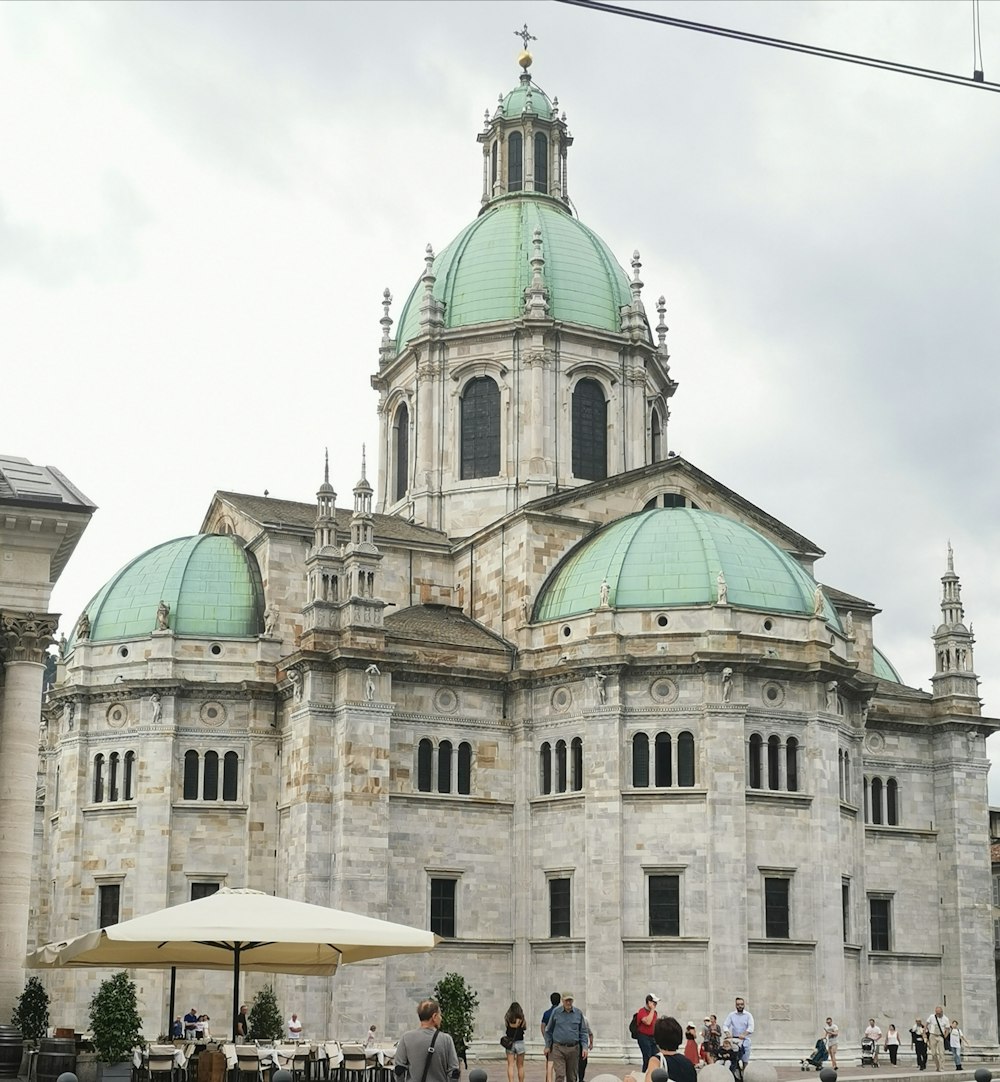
{"x":555,"y":693}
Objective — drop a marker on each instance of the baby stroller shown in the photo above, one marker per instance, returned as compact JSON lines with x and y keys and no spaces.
{"x":867,"y":1052}
{"x":818,"y":1058}
{"x":731,"y":1054}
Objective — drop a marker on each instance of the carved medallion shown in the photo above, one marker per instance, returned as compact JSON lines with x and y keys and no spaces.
{"x":445,"y":701}
{"x":663,"y":690}
{"x":117,"y":715}
{"x":562,"y":700}
{"x":213,"y":714}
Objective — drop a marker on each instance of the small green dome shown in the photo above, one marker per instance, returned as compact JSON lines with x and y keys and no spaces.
{"x":516,"y":102}
{"x":672,"y":557}
{"x":883,"y":668}
{"x":211,"y":583}
{"x":483,"y":273}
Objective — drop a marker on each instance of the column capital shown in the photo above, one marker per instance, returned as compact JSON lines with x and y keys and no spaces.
{"x":25,"y":636}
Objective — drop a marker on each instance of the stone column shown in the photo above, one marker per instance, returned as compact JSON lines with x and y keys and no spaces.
{"x":23,"y":639}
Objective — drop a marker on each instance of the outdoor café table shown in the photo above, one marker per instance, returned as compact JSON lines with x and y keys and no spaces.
{"x":140,"y":1057}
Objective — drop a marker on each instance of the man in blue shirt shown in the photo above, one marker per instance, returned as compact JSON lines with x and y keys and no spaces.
{"x":739,"y":1023}
{"x":566,"y":1039}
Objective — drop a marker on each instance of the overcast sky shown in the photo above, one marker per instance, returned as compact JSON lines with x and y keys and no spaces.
{"x":201,"y":203}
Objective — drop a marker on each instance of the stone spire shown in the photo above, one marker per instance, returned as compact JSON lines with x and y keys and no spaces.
{"x":536,"y":296}
{"x":954,"y":673}
{"x":326,"y":509}
{"x":362,"y":528}
{"x":387,"y":349}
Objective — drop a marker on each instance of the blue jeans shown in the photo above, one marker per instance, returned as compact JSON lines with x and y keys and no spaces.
{"x":647,"y":1046}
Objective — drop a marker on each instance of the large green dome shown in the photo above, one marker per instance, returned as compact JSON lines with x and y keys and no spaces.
{"x":482,"y":275}
{"x":672,"y":557}
{"x":211,"y":583}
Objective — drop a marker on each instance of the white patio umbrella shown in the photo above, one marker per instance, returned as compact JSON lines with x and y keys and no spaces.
{"x":238,"y":929}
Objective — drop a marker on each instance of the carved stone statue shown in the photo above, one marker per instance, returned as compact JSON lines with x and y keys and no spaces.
{"x":271,"y":615}
{"x":70,"y":716}
{"x":296,"y":680}
{"x":602,"y":689}
{"x":162,"y":616}
{"x":849,"y":625}
{"x":371,"y":672}
{"x":818,"y":601}
{"x":63,"y":644}
{"x":831,"y":696}
{"x":525,"y":609}
{"x":727,"y":683}
{"x":605,"y":593}
{"x":722,"y":590}
{"x":157,"y":708}
{"x":83,"y":627}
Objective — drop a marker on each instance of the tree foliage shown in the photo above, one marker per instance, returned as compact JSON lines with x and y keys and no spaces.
{"x":458,"y":1003}
{"x":114,"y":1019}
{"x":266,"y":1023}
{"x":31,"y":1014}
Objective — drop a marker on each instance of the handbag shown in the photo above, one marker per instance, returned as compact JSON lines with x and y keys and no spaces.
{"x":507,"y":1042}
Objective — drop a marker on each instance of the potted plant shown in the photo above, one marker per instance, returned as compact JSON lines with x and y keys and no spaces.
{"x":458,"y":1003}
{"x":116,"y":1025}
{"x":265,"y":1019}
{"x":29,"y":1024}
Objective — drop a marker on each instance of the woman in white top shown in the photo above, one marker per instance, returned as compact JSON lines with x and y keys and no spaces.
{"x":892,"y":1043}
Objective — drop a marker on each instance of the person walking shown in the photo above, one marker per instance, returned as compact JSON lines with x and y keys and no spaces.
{"x":645,"y":1018}
{"x":426,"y":1053}
{"x":740,"y":1025}
{"x":581,"y":1069}
{"x":566,"y":1041}
{"x":892,"y":1043}
{"x":873,"y":1033}
{"x":938,"y":1028}
{"x":546,"y":1015}
{"x":514,"y":1038}
{"x":711,"y":1035}
{"x":831,"y":1034}
{"x":918,"y":1038}
{"x":955,"y":1041}
{"x":668,"y":1036}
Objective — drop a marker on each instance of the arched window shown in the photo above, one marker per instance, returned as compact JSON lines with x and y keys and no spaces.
{"x":401,"y":452}
{"x":98,"y":779}
{"x":230,"y":776}
{"x":210,"y":781}
{"x":465,"y":768}
{"x":876,"y":799}
{"x":655,"y":436}
{"x":792,"y":765}
{"x":425,"y":753}
{"x":773,"y":761}
{"x":577,"y":750}
{"x":756,"y":749}
{"x":113,"y":763}
{"x":545,"y":768}
{"x":494,"y":154}
{"x":190,"y":775}
{"x":541,"y":163}
{"x":847,"y":775}
{"x":561,"y":766}
{"x":590,"y":431}
{"x":640,"y":760}
{"x":662,"y":768}
{"x":867,"y":810}
{"x":480,"y":428}
{"x":515,"y":162}
{"x":891,"y":803}
{"x":128,"y":781}
{"x":444,"y":766}
{"x":685,"y":759}
{"x":840,"y":771}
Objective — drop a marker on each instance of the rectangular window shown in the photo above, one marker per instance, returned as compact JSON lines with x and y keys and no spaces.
{"x":559,"y":908}
{"x":880,"y":914}
{"x":996,"y":891}
{"x":776,"y":893}
{"x":664,"y":905}
{"x":443,"y":907}
{"x":203,"y":890}
{"x":996,"y":934}
{"x":109,"y":903}
{"x":845,"y":908}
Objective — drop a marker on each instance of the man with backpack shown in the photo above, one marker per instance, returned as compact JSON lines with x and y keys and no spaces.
{"x":642,"y":1027}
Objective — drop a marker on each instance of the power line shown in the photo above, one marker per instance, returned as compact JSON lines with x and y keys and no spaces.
{"x":791,"y":46}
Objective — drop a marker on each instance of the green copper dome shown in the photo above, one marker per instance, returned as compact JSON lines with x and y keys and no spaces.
{"x":671,"y":557}
{"x":883,"y":668}
{"x":211,"y":583}
{"x":482,"y":274}
{"x":517,"y":101}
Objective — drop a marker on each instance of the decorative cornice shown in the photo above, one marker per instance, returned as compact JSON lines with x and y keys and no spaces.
{"x":25,"y":636}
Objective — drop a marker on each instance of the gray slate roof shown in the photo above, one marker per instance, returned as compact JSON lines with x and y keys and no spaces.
{"x":442,"y":626}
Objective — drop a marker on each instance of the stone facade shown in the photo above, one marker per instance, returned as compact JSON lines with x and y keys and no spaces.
{"x":704,"y":798}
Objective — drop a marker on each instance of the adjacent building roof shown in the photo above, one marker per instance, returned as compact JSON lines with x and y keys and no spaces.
{"x":442,"y":626}
{"x":22,"y":482}
{"x":672,"y":557}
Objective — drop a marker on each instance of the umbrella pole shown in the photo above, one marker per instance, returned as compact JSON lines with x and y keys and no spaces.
{"x":236,"y":988}
{"x":173,"y":990}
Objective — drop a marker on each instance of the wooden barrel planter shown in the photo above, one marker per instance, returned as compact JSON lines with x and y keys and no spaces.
{"x":55,"y":1055}
{"x":11,"y":1051}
